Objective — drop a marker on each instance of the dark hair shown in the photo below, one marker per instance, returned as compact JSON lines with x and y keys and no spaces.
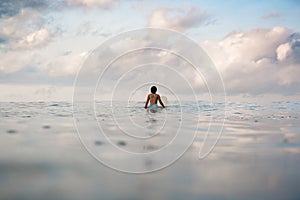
{"x":153,"y":89}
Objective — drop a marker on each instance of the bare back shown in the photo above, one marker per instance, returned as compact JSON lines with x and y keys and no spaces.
{"x":153,"y":98}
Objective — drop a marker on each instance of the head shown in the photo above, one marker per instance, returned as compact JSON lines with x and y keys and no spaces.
{"x":153,"y":89}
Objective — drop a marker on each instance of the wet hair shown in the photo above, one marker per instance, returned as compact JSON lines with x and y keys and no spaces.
{"x":153,"y":89}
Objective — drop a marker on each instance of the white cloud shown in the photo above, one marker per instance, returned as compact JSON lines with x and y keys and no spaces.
{"x":35,"y":92}
{"x":181,"y":18}
{"x":257,"y":61}
{"x":271,"y":15}
{"x":24,"y":31}
{"x":65,"y":65}
{"x":35,"y":39}
{"x":23,"y":34}
{"x":12,"y":61}
{"x":15,"y":26}
{"x":290,"y":50}
{"x":283,"y":51}
{"x":90,"y":3}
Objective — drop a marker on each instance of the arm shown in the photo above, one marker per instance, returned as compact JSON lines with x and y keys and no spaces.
{"x":147,"y":101}
{"x":161,"y":103}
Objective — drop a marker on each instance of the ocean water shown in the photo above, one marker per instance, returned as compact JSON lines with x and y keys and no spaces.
{"x":52,"y":150}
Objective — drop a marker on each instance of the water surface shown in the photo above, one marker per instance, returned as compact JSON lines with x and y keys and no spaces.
{"x":257,"y":156}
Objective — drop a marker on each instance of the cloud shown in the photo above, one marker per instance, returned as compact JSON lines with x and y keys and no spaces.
{"x":67,"y":64}
{"x":12,"y":61}
{"x":24,"y":31}
{"x":271,"y":15}
{"x":290,"y":50}
{"x":180,"y":18}
{"x":13,"y":7}
{"x":11,"y":25}
{"x":35,"y":39}
{"x":89,"y":29}
{"x":258,"y":61}
{"x":22,"y":35}
{"x":138,"y":5}
{"x":93,"y":3}
{"x":35,"y":92}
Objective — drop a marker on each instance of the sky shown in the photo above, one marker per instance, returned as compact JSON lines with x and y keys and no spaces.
{"x":255,"y":45}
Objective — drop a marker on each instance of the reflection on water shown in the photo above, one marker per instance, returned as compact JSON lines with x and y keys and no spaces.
{"x":257,"y":157}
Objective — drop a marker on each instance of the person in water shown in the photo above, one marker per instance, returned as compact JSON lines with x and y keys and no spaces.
{"x":153,"y":98}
